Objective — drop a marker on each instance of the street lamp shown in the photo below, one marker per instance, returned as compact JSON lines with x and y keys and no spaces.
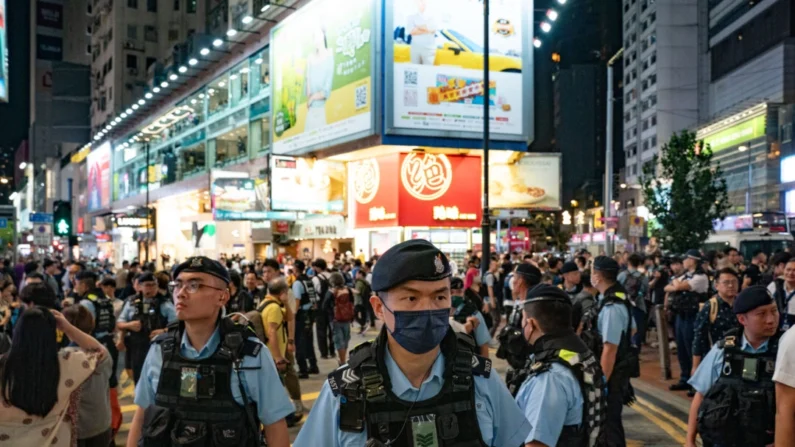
{"x":485,"y":223}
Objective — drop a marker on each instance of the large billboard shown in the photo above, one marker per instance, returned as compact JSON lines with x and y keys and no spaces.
{"x":304,"y":184}
{"x":532,"y":182}
{"x":99,"y":178}
{"x":3,"y":54}
{"x":322,"y":75}
{"x":235,"y":196}
{"x":434,"y":68}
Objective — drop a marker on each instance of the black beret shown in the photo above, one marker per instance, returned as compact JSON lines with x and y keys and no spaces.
{"x":417,"y":260}
{"x":751,"y":298}
{"x":568,"y":267}
{"x":146,"y":277}
{"x":546,"y":292}
{"x":605,"y":264}
{"x":695,"y":254}
{"x":203,"y":264}
{"x":529,"y":271}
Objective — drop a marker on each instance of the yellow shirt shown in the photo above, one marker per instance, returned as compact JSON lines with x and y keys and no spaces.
{"x":273,"y":314}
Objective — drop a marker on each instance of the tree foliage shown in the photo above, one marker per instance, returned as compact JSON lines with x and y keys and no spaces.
{"x":684,"y":192}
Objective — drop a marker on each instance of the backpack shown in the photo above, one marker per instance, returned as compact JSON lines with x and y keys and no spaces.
{"x":632,"y":285}
{"x":713,"y":309}
{"x":343,"y":306}
{"x":255,"y":320}
{"x":324,"y":286}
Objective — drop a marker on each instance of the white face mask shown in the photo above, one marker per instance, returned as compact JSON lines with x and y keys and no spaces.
{"x":261,"y":287}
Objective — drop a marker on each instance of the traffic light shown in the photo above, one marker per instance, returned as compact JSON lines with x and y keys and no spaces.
{"x":62,"y":218}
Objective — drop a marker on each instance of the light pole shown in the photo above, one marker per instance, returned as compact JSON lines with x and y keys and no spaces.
{"x":608,"y":199}
{"x":747,"y":148}
{"x":485,"y":223}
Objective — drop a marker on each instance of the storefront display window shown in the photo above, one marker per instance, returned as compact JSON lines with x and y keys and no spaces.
{"x":260,"y":134}
{"x":218,"y":93}
{"x":260,"y":72}
{"x":231,"y":146}
{"x":192,"y":160}
{"x":238,"y":83}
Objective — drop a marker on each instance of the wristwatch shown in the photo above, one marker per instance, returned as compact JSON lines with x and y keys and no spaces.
{"x":290,"y":341}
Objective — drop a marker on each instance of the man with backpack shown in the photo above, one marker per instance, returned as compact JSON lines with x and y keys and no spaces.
{"x":637,"y":286}
{"x":338,"y":307}
{"x":716,"y":317}
{"x":491,"y":292}
{"x":325,"y":341}
{"x":362,"y":293}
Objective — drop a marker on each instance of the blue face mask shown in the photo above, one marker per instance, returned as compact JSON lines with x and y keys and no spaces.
{"x":419,"y":331}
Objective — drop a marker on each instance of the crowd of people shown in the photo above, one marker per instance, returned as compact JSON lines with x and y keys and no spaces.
{"x":218,"y":348}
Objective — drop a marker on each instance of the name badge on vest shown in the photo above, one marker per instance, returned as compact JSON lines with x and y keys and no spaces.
{"x":423,"y":430}
{"x":188,"y":384}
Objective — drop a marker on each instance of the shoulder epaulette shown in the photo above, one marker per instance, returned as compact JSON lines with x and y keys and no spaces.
{"x":340,"y":377}
{"x":481,"y":366}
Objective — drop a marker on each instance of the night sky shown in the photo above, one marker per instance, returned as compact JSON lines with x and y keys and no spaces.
{"x":15,"y":116}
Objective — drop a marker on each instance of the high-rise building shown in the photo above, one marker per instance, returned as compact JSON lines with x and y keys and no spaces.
{"x":660,"y":78}
{"x":130,"y":38}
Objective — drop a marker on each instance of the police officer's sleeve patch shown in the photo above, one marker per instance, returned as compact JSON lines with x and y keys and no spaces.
{"x":251,"y":348}
{"x":341,"y":377}
{"x":481,"y":366}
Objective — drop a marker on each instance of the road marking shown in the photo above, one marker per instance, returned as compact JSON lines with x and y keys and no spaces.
{"x":308,"y":397}
{"x":667,"y":428}
{"x":678,"y":422}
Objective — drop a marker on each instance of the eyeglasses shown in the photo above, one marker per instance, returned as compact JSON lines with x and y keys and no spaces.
{"x":191,"y":286}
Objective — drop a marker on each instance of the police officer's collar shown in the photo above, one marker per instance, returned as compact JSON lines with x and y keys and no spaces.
{"x":401,"y":385}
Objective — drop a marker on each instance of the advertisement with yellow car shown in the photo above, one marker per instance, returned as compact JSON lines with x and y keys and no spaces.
{"x":322,"y":75}
{"x":437,"y":68}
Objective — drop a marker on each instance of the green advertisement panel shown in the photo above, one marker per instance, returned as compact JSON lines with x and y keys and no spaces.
{"x":321,"y":58}
{"x":737,"y":134}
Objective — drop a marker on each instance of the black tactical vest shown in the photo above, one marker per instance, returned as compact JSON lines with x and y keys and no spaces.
{"x":686,"y":302}
{"x":149,"y":314}
{"x":368,"y":401}
{"x":194,"y":404}
{"x":740,"y":408}
{"x":104,"y":316}
{"x":571,"y":352}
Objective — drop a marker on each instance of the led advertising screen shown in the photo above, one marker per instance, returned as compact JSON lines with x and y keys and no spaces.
{"x":435,"y":68}
{"x":322,"y":75}
{"x":235,"y":196}
{"x":3,"y":54}
{"x":304,"y":184}
{"x":98,"y":164}
{"x":532,"y":182}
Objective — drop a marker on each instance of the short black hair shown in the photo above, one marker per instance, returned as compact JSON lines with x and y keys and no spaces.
{"x":554,"y":317}
{"x":320,"y":263}
{"x":357,"y":262}
{"x":299,"y":265}
{"x":38,"y":294}
{"x":553,"y":262}
{"x":108,"y":281}
{"x":727,"y":271}
{"x":272,"y":263}
{"x":635,"y":260}
{"x":585,"y":279}
{"x":146,"y":277}
{"x":757,"y":252}
{"x":48,"y":262}
{"x":729,"y":250}
{"x":780,"y":258}
{"x":31,"y":267}
{"x":123,"y":263}
{"x":36,"y":275}
{"x":234,"y":278}
{"x":608,"y":275}
{"x":87,"y":277}
{"x":135,"y":264}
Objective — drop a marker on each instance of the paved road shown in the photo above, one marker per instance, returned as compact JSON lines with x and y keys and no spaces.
{"x":658,"y":419}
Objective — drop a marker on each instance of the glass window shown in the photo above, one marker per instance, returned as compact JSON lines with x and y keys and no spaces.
{"x":260,"y":68}
{"x":231,"y":146}
{"x":192,"y":160}
{"x":192,"y":6}
{"x":151,"y":5}
{"x":218,"y":93}
{"x":132,"y":61}
{"x":238,"y":83}
{"x":261,"y":134}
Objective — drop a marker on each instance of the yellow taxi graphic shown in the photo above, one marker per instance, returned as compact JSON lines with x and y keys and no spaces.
{"x":460,"y":51}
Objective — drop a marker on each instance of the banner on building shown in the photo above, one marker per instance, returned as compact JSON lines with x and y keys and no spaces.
{"x":98,"y":166}
{"x":235,"y":196}
{"x":435,"y":76}
{"x":532,"y":182}
{"x":321,"y":57}
{"x":308,"y":185}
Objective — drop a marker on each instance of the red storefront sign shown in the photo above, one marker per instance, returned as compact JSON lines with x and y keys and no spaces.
{"x":416,"y":189}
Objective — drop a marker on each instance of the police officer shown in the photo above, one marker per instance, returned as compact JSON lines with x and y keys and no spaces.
{"x":101,"y":307}
{"x":734,"y":403}
{"x":418,"y":383}
{"x":208,"y":381}
{"x":304,"y":292}
{"x":684,"y":295}
{"x":562,"y":386}
{"x":581,"y":300}
{"x":525,"y":277}
{"x":144,"y":316}
{"x":614,"y":325}
{"x":463,"y":310}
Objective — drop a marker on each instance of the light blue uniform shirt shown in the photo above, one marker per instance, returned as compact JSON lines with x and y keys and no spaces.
{"x":613,"y":321}
{"x":710,"y":368}
{"x":481,"y":332}
{"x":262,"y":384}
{"x":298,"y":291}
{"x":550,"y":401}
{"x":500,"y":419}
{"x":167,"y":310}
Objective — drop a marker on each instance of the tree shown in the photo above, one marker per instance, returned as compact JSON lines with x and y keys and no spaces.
{"x":686,"y":195}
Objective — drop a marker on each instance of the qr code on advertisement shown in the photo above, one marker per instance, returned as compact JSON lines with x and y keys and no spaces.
{"x":410,"y":77}
{"x":361,"y":96}
{"x":410,"y":98}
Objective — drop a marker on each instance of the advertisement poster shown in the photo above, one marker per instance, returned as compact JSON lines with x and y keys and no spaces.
{"x":302,"y":184}
{"x":49,"y":15}
{"x":321,"y":58}
{"x":3,"y":54}
{"x":438,"y":65}
{"x":416,"y":189}
{"x":532,"y":182}
{"x":235,"y":196}
{"x":99,"y":178}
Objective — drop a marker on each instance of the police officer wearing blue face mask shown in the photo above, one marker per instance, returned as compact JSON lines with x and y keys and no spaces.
{"x":419,"y":383}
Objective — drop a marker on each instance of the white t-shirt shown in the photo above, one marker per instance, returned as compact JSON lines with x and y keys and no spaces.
{"x":699,"y":283}
{"x":785,"y":362}
{"x":791,"y":305}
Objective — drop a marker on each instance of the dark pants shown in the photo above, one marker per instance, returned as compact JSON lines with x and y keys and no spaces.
{"x":100,"y":440}
{"x":138,"y":350}
{"x":369,"y":312}
{"x":641,"y":320}
{"x":304,"y":344}
{"x":325,"y":336}
{"x":684,"y":344}
{"x":613,"y":427}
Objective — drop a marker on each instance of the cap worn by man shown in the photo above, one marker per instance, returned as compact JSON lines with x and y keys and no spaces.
{"x":546,"y":292}
{"x":605,"y":264}
{"x":414,"y":260}
{"x":529,"y":270}
{"x":568,"y":267}
{"x":694,"y":254}
{"x":203,"y":264}
{"x":751,"y":298}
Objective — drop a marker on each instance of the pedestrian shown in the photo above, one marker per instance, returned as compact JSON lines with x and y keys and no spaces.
{"x":94,"y":415}
{"x":733,"y":404}
{"x":195,"y":373}
{"x":145,"y":316}
{"x":250,"y":281}
{"x":304,"y":291}
{"x":463,"y":309}
{"x":581,"y":300}
{"x":783,"y":291}
{"x":637,"y":287}
{"x":613,"y":321}
{"x":239,"y":299}
{"x":428,"y":369}
{"x":338,"y":306}
{"x":362,"y":293}
{"x":39,"y":382}
{"x":684,"y":295}
{"x":325,"y":340}
{"x":491,"y":292}
{"x":753,"y":273}
{"x":560,"y":372}
{"x":716,"y":318}
{"x":525,"y":277}
{"x":50,"y":270}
